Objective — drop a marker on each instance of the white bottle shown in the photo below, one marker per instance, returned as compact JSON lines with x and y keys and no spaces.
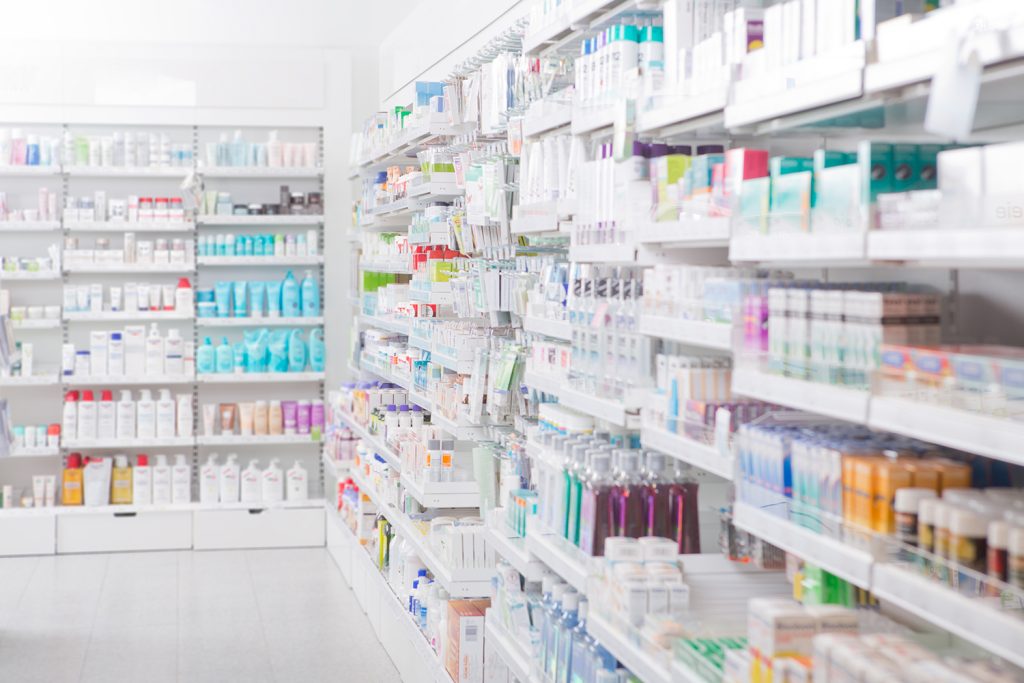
{"x":115,"y":355}
{"x":174,"y":353}
{"x":145,"y":415}
{"x":165,"y":421}
{"x":106,"y":416}
{"x":87,"y":416}
{"x":274,"y":149}
{"x":154,"y":352}
{"x":181,"y":481}
{"x":161,"y":481}
{"x":69,"y":417}
{"x":209,"y":481}
{"x":98,"y":341}
{"x":229,"y":480}
{"x":273,"y":482}
{"x":251,"y":483}
{"x":185,"y":418}
{"x":183,"y":299}
{"x":298,"y":482}
{"x":134,"y":349}
{"x":142,"y":481}
{"x":125,"y":416}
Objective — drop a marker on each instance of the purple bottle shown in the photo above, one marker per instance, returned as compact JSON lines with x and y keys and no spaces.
{"x":627,"y":496}
{"x":683,"y":519}
{"x":655,"y":494}
{"x":595,"y":509}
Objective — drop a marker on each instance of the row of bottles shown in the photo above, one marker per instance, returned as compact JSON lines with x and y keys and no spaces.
{"x":85,"y":418}
{"x":601,"y":490}
{"x":568,"y":653}
{"x":227,"y":484}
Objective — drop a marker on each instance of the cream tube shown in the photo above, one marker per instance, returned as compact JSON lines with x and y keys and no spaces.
{"x":227,"y":418}
{"x":50,"y":491}
{"x":209,"y":419}
{"x":168,"y":297}
{"x":245,"y":416}
{"x":260,"y":426}
{"x":38,"y":490}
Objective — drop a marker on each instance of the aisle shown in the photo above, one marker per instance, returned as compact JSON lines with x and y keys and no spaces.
{"x":268,"y":615}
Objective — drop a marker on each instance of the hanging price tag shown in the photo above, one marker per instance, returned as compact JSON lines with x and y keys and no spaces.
{"x":955,"y":87}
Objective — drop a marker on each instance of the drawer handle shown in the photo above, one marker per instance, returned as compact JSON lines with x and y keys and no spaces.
{"x":256,"y":511}
{"x":125,"y":514}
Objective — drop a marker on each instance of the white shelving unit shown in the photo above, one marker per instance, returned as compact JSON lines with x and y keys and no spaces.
{"x":311,"y":321}
{"x":699,"y":333}
{"x":260,"y":378}
{"x":259,"y":220}
{"x":678,"y":446}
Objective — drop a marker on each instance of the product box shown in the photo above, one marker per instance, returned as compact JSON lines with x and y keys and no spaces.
{"x":791,"y":194}
{"x":465,"y":651}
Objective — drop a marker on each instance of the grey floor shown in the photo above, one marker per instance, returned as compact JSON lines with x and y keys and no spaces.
{"x":264,"y":615}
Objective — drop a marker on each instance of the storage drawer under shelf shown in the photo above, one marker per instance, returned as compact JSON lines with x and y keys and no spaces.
{"x":259,"y":528}
{"x":27,"y":535}
{"x":124,"y":531}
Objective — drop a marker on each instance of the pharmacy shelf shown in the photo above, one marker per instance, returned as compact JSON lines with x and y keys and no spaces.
{"x":312,"y":321}
{"x":402,"y":150}
{"x":128,"y":171}
{"x":809,"y":249}
{"x":509,"y":649}
{"x":603,"y":253}
{"x":649,"y":667}
{"x":259,"y":377}
{"x":423,"y":401}
{"x":610,"y":410}
{"x":397,"y":325}
{"x":273,"y":261}
{"x":972,"y":618}
{"x":129,"y":226}
{"x":460,"y":583}
{"x":462,"y":367}
{"x":684,"y":115}
{"x":535,"y":125}
{"x":436,"y":191}
{"x":127,"y":444}
{"x":397,"y":269}
{"x":28,"y":275}
{"x":704,"y":456}
{"x":978,"y":248}
{"x":964,"y":430}
{"x":125,"y":316}
{"x":40,"y":380}
{"x":398,"y":208}
{"x":559,"y":555}
{"x":254,"y":440}
{"x":132,"y":268}
{"x":29,"y":226}
{"x":36,"y":324}
{"x":62,"y":510}
{"x":700,"y":333}
{"x":375,"y":442}
{"x":686,"y":234}
{"x":261,"y":171}
{"x":598,"y":119}
{"x":35,"y":452}
{"x":461,"y":494}
{"x":8,"y":171}
{"x":536,"y":218}
{"x":556,"y":329}
{"x":461,"y":429}
{"x":261,"y":220}
{"x":825,"y":399}
{"x":832,"y":555}
{"x":513,"y":549}
{"x":126,"y":380}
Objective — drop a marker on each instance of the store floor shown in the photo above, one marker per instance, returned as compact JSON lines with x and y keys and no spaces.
{"x":253,"y":616}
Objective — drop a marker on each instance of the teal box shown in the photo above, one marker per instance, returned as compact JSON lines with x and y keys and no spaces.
{"x":791,"y":202}
{"x":838,"y":206}
{"x":755,"y":200}
{"x":823,"y":159}
{"x":904,"y":168}
{"x":927,"y":167}
{"x":875,"y":161}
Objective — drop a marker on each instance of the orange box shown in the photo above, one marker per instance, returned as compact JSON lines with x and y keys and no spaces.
{"x":464,"y":659}
{"x":954,"y":474}
{"x":889,"y":475}
{"x":863,"y":490}
{"x":926,"y":474}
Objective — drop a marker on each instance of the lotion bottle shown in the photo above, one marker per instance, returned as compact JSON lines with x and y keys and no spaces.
{"x":154,"y":352}
{"x":87,"y":416}
{"x":209,"y":481}
{"x":165,"y":408}
{"x":229,"y":480}
{"x":69,"y":417}
{"x":125,"y":428}
{"x":121,"y":481}
{"x":273,"y":482}
{"x":184,"y":414}
{"x":161,"y":481}
{"x":142,"y":481}
{"x":106,"y":416}
{"x":174,"y":353}
{"x":251,"y":483}
{"x":145,"y":415}
{"x":181,"y":481}
{"x":298,"y":483}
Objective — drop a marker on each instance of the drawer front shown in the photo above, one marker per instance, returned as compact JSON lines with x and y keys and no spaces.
{"x":258,"y":528}
{"x":105,"y":532}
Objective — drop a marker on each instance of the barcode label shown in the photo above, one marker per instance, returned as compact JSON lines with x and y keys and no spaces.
{"x":471,"y":630}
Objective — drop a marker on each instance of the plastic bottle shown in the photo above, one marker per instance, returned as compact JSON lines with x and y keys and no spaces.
{"x":69,"y":417}
{"x":125,"y":416}
{"x":183,"y":297}
{"x":578,"y":668}
{"x":106,"y":416}
{"x":683,"y":516}
{"x":655,"y":496}
{"x":310,"y":296}
{"x":154,"y":352}
{"x":121,"y":481}
{"x":573,"y":482}
{"x":161,"y":481}
{"x":274,"y":150}
{"x":596,"y":506}
{"x":181,"y":481}
{"x":297,"y":482}
{"x":224,"y":356}
{"x":87,"y":416}
{"x":317,"y":351}
{"x":145,"y":415}
{"x":549,"y":638}
{"x":165,"y":415}
{"x":229,"y":480}
{"x":174,"y":353}
{"x":291,"y":300}
{"x":296,"y":352}
{"x":209,"y":481}
{"x":206,"y":358}
{"x":142,"y":481}
{"x":627,"y":497}
{"x":239,"y":358}
{"x":71,"y":481}
{"x":273,"y":482}
{"x":251,"y":483}
{"x":563,"y":636}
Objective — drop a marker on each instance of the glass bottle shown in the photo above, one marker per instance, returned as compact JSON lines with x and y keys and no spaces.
{"x":563,"y":636}
{"x":627,"y":496}
{"x":579,"y":669}
{"x":574,"y":475}
{"x":683,"y":520}
{"x":596,"y":521}
{"x":656,"y":493}
{"x":550,"y":633}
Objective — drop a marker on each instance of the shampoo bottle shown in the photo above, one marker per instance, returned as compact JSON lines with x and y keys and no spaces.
{"x":121,"y":481}
{"x":296,"y":352}
{"x":290,"y":297}
{"x":174,"y":353}
{"x":181,"y":481}
{"x":185,"y":418}
{"x":69,"y":417}
{"x":298,"y":482}
{"x":310,"y":296}
{"x":165,"y":409}
{"x":225,"y":358}
{"x":206,"y":359}
{"x":317,"y":350}
{"x":229,"y":480}
{"x":145,"y":415}
{"x":71,"y":482}
{"x":106,"y":416}
{"x":125,"y":416}
{"x":209,"y":481}
{"x":87,"y":416}
{"x":161,"y":481}
{"x":142,"y":481}
{"x":273,"y":482}
{"x":251,"y":483}
{"x":154,"y":352}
